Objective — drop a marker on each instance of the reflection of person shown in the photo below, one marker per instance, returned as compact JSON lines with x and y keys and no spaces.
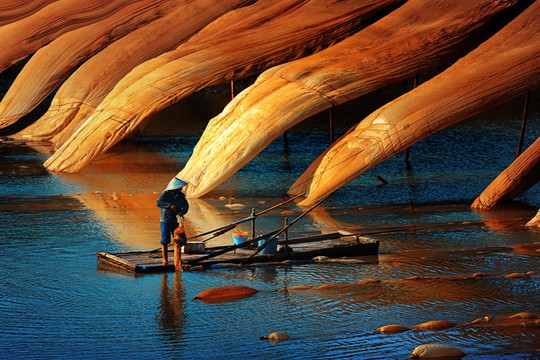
{"x":171,"y":306}
{"x":173,"y":203}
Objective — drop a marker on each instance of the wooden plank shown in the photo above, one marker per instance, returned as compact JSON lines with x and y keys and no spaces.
{"x":115,"y":260}
{"x":150,"y":261}
{"x":133,"y":262}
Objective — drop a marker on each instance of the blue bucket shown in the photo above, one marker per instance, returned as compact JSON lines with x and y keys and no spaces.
{"x":239,"y":237}
{"x":271,"y":248}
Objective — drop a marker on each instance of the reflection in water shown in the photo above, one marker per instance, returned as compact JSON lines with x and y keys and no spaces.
{"x":55,"y":304}
{"x":171,"y":306}
{"x":133,"y":219}
{"x":122,"y":191}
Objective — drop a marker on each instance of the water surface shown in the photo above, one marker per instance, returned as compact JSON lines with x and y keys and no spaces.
{"x":57,"y":302}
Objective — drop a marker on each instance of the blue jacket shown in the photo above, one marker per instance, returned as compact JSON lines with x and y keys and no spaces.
{"x":168,"y":198}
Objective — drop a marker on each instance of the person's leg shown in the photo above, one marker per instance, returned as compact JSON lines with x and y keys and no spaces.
{"x":165,"y":254}
{"x":165,"y":241}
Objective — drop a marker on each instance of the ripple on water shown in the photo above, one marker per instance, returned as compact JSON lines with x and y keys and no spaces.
{"x":55,"y":304}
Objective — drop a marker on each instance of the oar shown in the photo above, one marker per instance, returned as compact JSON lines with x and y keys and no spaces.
{"x":260,"y":248}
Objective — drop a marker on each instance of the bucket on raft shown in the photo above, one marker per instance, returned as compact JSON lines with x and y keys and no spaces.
{"x":240,"y":237}
{"x":271,"y":247}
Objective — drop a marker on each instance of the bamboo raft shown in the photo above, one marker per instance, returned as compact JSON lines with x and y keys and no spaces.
{"x":332,"y":245}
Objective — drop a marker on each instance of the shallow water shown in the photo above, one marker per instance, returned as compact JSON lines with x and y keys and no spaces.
{"x":57,"y":302}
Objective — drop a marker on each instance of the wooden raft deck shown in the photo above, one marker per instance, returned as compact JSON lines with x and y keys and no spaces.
{"x":331,"y":245}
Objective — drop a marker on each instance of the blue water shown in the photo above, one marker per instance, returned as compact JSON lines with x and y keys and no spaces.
{"x":58,"y":302}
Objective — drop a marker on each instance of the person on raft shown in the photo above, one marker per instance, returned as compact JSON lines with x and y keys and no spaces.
{"x":173,"y":203}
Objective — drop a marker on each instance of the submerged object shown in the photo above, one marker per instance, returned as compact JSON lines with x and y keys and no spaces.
{"x":226,"y":293}
{"x":436,"y":351}
{"x":369,"y":281}
{"x":392,"y":329}
{"x":524,"y":315}
{"x":435,"y":325}
{"x":275,"y":337}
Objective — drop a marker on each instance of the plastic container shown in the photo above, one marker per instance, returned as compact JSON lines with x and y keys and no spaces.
{"x":239,"y":237}
{"x":271,"y":248}
{"x":194,"y":247}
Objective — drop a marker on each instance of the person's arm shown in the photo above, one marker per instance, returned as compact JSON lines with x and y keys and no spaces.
{"x":163,"y":201}
{"x":183,"y":206}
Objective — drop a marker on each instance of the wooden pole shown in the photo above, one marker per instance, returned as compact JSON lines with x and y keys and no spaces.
{"x":280,"y":204}
{"x":286,"y":231}
{"x":523,"y":123}
{"x":407,"y":149}
{"x":253,"y":223}
{"x":407,"y":155}
{"x":232,"y":89}
{"x":382,"y":180}
{"x":331,"y":123}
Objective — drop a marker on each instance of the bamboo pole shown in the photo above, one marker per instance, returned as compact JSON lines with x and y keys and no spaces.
{"x":286,"y":231}
{"x":223,"y":229}
{"x":331,"y":123}
{"x":281,"y":204}
{"x":407,"y":149}
{"x":523,"y":123}
{"x":253,"y":223}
